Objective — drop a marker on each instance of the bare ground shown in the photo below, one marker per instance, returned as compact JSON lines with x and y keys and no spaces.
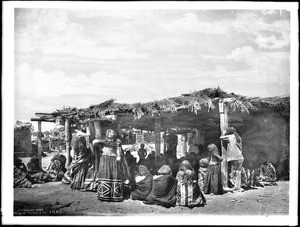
{"x":56,"y":198}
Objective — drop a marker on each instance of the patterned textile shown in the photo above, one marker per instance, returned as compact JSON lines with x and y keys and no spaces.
{"x":188,"y":191}
{"x":110,"y":177}
{"x":163,"y":191}
{"x":21,"y":179}
{"x":143,"y":184}
{"x":110,"y":190}
{"x":202,"y":172}
{"x":189,"y":195}
{"x":268,"y":172}
{"x":267,"y":175}
{"x":36,"y":173}
{"x":56,"y":170}
{"x":76,"y":172}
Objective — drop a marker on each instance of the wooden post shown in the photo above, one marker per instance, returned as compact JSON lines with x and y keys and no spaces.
{"x":223,"y":126}
{"x":157,"y":127}
{"x":98,"y":129}
{"x":164,"y":142}
{"x":39,"y":143}
{"x":184,"y":143}
{"x":68,"y":140}
{"x":92,"y":130}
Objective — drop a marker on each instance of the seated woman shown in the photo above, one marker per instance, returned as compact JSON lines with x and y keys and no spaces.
{"x":213,"y":181}
{"x":188,"y":191}
{"x":267,"y":174}
{"x":56,"y":168}
{"x":143,"y":184}
{"x":163,"y":190}
{"x":36,"y":173}
{"x":76,"y":172}
{"x":21,"y":178}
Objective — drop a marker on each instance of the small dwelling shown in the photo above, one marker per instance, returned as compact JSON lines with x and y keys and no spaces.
{"x":263,"y":123}
{"x":22,"y":139}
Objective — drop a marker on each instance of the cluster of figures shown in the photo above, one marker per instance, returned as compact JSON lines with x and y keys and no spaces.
{"x":33,"y":174}
{"x":106,"y":169}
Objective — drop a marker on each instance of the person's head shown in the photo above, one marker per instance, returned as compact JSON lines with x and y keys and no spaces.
{"x":185,"y":165}
{"x":204,"y":162}
{"x":142,"y":145}
{"x":230,"y":130}
{"x":128,"y":153}
{"x":80,"y":143}
{"x":189,"y":175}
{"x":143,"y":170}
{"x":165,"y":170}
{"x":171,"y":131}
{"x":193,"y":133}
{"x":212,"y":147}
{"x":111,"y":134}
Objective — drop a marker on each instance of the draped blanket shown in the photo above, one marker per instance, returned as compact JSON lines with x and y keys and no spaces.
{"x":188,"y":190}
{"x":76,"y":172}
{"x":143,"y":184}
{"x":163,"y":191}
{"x":21,"y":179}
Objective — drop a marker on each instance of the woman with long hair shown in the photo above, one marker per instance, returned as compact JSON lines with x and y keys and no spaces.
{"x":234,"y":156}
{"x":213,"y":181}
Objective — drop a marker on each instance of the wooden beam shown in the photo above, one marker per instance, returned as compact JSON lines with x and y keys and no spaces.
{"x":39,"y":143}
{"x":157,"y":127}
{"x":223,"y":125}
{"x":41,"y":119}
{"x":68,"y":140}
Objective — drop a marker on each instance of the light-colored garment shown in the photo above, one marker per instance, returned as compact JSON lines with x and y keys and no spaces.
{"x":233,"y":151}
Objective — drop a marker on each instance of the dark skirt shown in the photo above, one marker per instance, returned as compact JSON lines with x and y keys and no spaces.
{"x":213,"y":181}
{"x":75,"y":175}
{"x":90,"y":183}
{"x":110,"y":179}
{"x":163,"y":191}
{"x":142,"y":188}
{"x":78,"y":177}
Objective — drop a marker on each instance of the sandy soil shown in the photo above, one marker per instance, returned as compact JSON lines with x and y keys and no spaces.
{"x":55,"y":198}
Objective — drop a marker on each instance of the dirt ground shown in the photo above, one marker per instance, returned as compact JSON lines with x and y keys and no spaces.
{"x":56,"y":198}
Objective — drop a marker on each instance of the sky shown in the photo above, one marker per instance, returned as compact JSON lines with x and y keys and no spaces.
{"x":79,"y":57}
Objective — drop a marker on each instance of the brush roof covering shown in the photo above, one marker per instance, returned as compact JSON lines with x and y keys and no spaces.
{"x":194,"y":102}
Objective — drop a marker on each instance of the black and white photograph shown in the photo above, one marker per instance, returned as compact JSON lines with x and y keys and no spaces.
{"x":150,"y":113}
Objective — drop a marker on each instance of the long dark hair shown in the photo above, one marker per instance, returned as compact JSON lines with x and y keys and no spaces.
{"x":231,"y":130}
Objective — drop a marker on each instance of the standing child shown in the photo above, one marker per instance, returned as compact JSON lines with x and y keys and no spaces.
{"x":213,"y":181}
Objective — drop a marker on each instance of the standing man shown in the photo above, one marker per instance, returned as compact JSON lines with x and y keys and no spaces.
{"x":171,"y":143}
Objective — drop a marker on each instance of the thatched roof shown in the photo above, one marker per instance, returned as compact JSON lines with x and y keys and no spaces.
{"x":20,"y":125}
{"x":199,"y":101}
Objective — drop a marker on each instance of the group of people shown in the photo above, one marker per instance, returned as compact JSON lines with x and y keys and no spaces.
{"x":105,"y":168}
{"x":31,"y":174}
